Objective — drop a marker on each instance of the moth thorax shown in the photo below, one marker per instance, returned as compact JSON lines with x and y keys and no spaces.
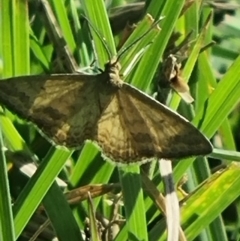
{"x":112,"y":68}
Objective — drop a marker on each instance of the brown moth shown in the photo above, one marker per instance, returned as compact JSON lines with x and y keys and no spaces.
{"x":127,"y":124}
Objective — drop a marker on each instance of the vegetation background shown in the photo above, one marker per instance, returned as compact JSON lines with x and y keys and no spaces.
{"x":210,"y":211}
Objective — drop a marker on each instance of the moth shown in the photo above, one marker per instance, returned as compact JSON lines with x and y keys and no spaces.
{"x":127,"y":124}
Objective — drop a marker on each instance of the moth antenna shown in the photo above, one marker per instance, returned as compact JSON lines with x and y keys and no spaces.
{"x":100,"y":38}
{"x":138,"y":39}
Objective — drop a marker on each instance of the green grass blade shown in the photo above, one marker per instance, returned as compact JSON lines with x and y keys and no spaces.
{"x":37,"y":187}
{"x":60,"y":214}
{"x":217,"y":193}
{"x":96,"y":13}
{"x":133,"y":203}
{"x":6,"y":217}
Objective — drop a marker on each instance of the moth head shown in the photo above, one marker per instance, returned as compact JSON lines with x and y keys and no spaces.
{"x":113,"y":66}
